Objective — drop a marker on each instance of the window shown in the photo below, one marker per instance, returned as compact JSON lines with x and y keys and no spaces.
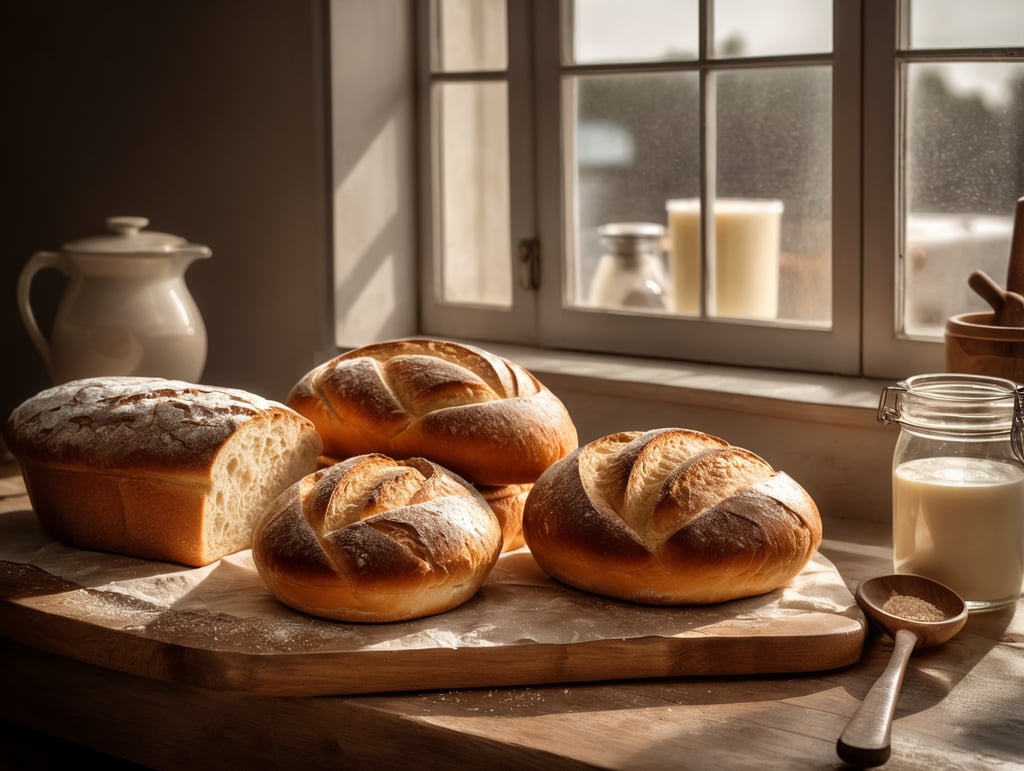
{"x":706,"y":182}
{"x":944,"y":110}
{"x":472,"y":171}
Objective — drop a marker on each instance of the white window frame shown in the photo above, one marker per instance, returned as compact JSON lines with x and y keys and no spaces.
{"x":517,"y":323}
{"x":863,"y":339}
{"x":834,"y":350}
{"x":888,"y":352}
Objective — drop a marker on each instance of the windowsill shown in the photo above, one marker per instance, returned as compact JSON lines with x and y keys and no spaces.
{"x":773,"y":391}
{"x":820,"y":429}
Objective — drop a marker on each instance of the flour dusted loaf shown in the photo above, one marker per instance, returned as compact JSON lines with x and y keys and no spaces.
{"x":483,"y":417}
{"x":374,"y":539}
{"x":156,"y":469}
{"x":670,"y":516}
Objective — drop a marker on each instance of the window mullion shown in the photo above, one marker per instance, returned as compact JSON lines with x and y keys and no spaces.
{"x":708,"y":176}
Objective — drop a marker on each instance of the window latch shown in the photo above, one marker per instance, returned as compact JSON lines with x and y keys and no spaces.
{"x":529,"y":264}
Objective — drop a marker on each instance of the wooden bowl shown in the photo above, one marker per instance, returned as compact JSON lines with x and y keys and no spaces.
{"x":975,"y":346}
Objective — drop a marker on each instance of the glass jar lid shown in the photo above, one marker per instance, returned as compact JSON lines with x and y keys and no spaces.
{"x":957,"y":404}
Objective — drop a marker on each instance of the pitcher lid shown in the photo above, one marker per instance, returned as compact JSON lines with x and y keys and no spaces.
{"x":129,"y":237}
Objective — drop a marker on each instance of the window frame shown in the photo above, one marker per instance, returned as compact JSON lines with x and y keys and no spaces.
{"x":518,"y":322}
{"x":867,"y":225}
{"x":888,"y":352}
{"x":719,"y":341}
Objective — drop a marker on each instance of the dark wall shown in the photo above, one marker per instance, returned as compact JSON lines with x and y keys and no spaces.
{"x":206,"y":116}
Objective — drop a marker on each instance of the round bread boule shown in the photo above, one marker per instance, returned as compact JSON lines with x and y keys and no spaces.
{"x":670,"y":516}
{"x":484,"y":417}
{"x":507,"y":502}
{"x":375,"y":539}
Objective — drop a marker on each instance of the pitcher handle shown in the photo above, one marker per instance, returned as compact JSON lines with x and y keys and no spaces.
{"x":36,"y":263}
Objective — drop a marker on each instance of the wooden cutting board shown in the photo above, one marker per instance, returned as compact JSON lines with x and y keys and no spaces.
{"x":218,"y":627}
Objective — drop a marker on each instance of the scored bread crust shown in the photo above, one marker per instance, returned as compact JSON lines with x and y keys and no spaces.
{"x":484,"y":417}
{"x":154,"y":468}
{"x":506,"y":501}
{"x":670,"y":516}
{"x":373,"y":539}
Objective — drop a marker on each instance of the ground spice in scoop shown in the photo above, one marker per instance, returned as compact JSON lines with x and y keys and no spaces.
{"x":912,"y":608}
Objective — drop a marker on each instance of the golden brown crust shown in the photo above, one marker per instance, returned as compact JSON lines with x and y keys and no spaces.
{"x":373,"y":539}
{"x":156,"y":469}
{"x":485,"y":418}
{"x":670,"y":517}
{"x":507,"y":502}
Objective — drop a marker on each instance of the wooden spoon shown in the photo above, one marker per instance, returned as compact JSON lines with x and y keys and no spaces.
{"x":1015,"y":271}
{"x":1007,"y":306}
{"x":866,"y":740}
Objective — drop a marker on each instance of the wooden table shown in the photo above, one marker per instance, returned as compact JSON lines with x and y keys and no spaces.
{"x":962,"y":706}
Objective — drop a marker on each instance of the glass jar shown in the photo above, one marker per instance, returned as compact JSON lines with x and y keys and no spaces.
{"x":958,"y":484}
{"x":630,"y":273}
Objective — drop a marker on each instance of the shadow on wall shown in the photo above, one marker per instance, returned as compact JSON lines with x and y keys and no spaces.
{"x":207,"y":118}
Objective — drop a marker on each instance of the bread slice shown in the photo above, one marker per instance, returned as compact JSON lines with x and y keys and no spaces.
{"x":157,"y":469}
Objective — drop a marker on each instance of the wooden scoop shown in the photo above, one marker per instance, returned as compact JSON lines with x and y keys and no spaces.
{"x":866,"y":740}
{"x":1007,"y":306}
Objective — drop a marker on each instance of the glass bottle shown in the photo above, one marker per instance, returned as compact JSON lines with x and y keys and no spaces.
{"x":958,"y":484}
{"x":630,"y":273}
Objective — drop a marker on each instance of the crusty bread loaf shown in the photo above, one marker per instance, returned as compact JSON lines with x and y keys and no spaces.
{"x":484,"y":417}
{"x":157,"y":469}
{"x":374,"y":539}
{"x":670,"y":516}
{"x":507,"y":502}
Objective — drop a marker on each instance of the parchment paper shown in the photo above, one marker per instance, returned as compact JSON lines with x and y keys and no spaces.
{"x":518,"y":604}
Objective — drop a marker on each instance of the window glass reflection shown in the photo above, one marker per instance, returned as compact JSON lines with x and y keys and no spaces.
{"x":471,"y":35}
{"x":633,"y":30}
{"x":473,"y":175}
{"x":960,"y":24}
{"x":771,"y":27}
{"x":965,"y":152}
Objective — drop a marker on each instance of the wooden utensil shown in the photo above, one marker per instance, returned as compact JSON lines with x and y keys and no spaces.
{"x":1007,"y":306}
{"x":1015,"y":270}
{"x":866,"y":740}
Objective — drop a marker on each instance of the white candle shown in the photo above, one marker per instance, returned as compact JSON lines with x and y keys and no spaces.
{"x":960,"y":521}
{"x":745,"y":262}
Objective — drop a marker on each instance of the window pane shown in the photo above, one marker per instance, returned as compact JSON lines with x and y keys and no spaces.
{"x":960,"y":24}
{"x":638,"y":161}
{"x":772,"y":27}
{"x":965,"y":152}
{"x":473,"y":163}
{"x":637,"y":145}
{"x":634,"y":30}
{"x":774,"y":150}
{"x":471,"y":35}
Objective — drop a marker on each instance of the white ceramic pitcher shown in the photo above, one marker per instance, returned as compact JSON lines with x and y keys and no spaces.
{"x":126,"y":309}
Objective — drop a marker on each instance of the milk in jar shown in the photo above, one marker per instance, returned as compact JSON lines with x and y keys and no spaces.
{"x":961,"y":522}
